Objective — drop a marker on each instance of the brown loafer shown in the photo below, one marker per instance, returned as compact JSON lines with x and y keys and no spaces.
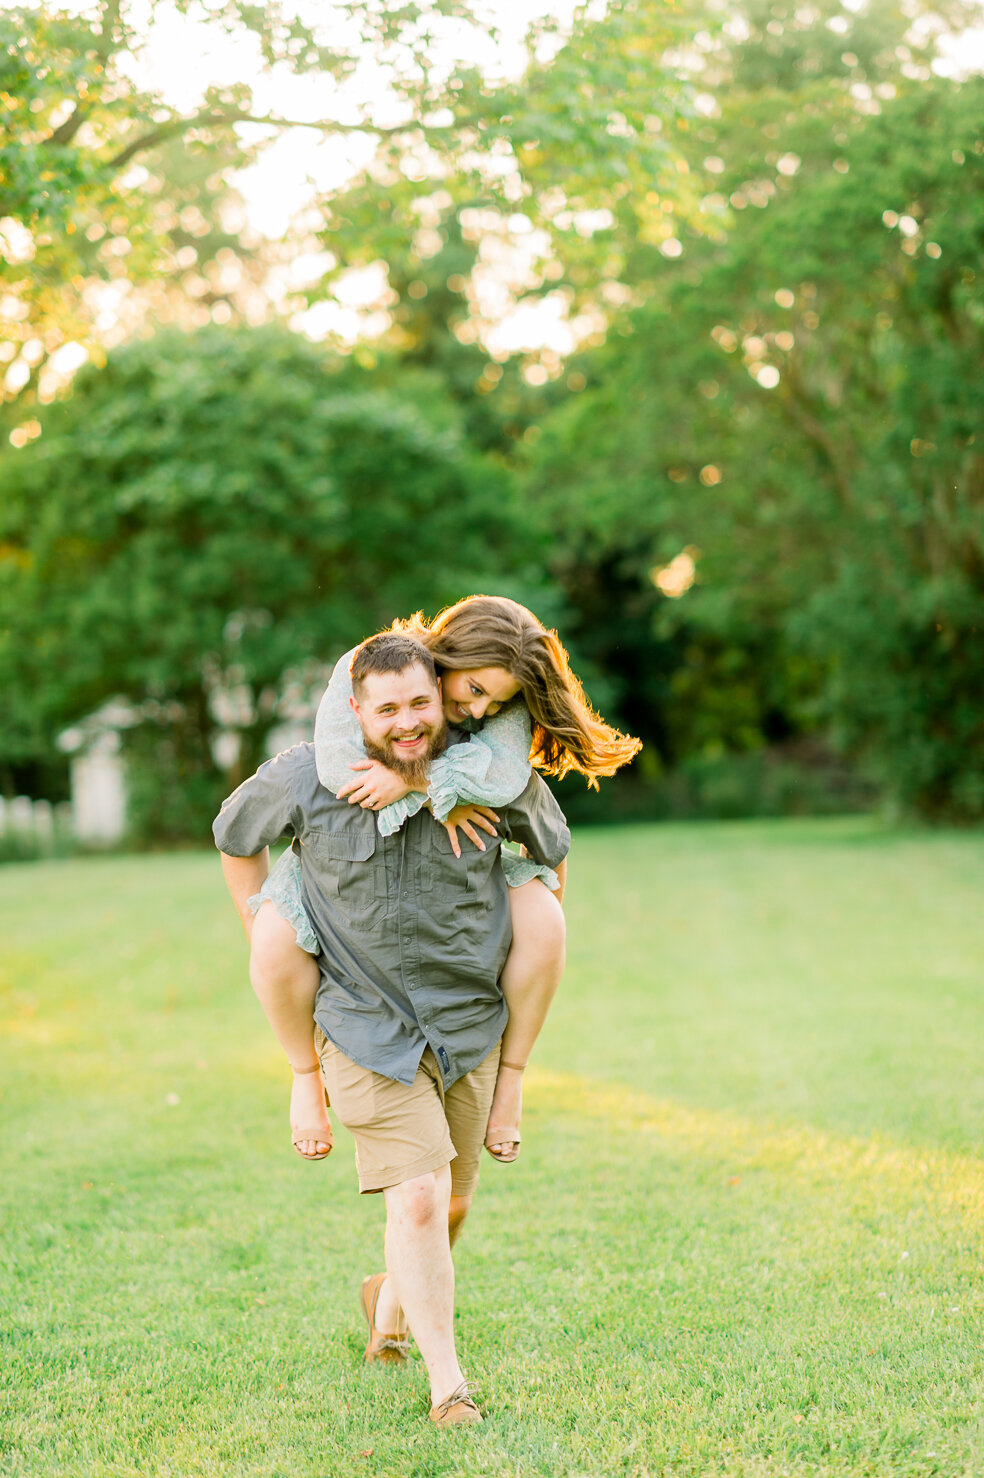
{"x":458,"y":1409}
{"x":391,"y":1349}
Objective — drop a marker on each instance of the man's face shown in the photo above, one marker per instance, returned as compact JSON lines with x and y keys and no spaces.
{"x":402,"y":719}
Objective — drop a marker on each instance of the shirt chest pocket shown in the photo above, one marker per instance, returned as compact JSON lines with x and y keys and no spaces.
{"x":467,"y":873}
{"x":348,"y":866}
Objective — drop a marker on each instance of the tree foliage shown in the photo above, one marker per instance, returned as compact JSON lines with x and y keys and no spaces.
{"x":210,"y":520}
{"x":797,"y":411}
{"x":760,"y":497}
{"x":117,"y":205}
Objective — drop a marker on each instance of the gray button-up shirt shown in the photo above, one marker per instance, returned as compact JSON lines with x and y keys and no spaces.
{"x":413,"y":939}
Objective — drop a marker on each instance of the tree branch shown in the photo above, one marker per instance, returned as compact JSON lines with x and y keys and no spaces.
{"x":211,"y":120}
{"x":65,"y":132}
{"x":108,"y":24}
{"x":795,"y":404}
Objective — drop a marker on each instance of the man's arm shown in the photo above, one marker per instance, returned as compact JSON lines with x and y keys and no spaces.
{"x":536,"y":821}
{"x":245,"y":876}
{"x":256,"y":814}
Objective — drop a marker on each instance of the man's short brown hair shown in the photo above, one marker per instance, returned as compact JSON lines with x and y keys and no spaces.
{"x":389,"y":651}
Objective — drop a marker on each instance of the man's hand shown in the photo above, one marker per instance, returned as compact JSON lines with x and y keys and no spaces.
{"x":468,"y":817}
{"x":373,"y":789}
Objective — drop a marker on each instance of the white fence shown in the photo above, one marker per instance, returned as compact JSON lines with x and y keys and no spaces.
{"x":38,"y":823}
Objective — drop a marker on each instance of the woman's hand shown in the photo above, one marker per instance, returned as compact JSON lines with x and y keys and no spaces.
{"x":374,"y":788}
{"x":468,"y":817}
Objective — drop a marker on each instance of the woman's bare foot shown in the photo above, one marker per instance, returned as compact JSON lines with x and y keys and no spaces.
{"x":502,"y":1134}
{"x":309,"y":1112}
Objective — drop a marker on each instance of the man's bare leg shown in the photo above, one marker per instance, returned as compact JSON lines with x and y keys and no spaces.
{"x":421,"y":1273}
{"x":285,"y":979}
{"x":389,"y":1317}
{"x":529,"y":983}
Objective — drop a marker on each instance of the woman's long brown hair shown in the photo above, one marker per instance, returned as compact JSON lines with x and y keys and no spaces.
{"x":491,"y":631}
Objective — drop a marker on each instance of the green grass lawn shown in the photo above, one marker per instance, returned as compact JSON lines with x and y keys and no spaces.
{"x":743,"y":1237}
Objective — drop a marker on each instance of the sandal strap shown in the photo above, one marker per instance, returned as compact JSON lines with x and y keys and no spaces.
{"x":517,"y":1067}
{"x":300,"y":1072}
{"x":504,"y":1134}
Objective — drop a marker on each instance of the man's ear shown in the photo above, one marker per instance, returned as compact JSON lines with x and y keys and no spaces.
{"x":355,"y":707}
{"x":440,"y":690}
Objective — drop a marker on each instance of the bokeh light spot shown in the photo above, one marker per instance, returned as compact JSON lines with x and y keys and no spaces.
{"x":677,"y":577}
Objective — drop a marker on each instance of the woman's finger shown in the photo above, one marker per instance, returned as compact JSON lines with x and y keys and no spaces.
{"x":452,"y":832}
{"x":362,"y":765}
{"x":472,"y":835}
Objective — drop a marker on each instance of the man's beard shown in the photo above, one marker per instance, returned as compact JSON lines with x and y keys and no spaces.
{"x":413,"y":773}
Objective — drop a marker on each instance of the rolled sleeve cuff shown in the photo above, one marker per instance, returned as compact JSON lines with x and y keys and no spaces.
{"x":391,"y":817}
{"x":456,"y":771}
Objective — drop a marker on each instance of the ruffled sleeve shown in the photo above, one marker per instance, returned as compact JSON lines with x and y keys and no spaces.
{"x":492,"y":769}
{"x":338,"y":745}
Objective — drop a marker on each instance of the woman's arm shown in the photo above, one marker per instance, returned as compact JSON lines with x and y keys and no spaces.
{"x":337,"y":736}
{"x":492,"y":769}
{"x":338,"y":749}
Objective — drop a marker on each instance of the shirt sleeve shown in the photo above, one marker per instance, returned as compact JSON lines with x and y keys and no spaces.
{"x":261,"y":811}
{"x":492,"y":769}
{"x":536,"y":821}
{"x":338,"y":745}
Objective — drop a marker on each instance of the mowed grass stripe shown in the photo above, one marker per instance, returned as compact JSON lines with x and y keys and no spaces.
{"x":743,"y":1237}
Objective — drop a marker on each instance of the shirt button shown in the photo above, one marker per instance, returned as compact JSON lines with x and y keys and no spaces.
{"x":408,"y":939}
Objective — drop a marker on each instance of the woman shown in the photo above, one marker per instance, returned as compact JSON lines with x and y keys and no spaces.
{"x":489,"y":651}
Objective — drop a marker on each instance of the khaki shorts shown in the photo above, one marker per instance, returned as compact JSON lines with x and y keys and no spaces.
{"x":402,"y":1130}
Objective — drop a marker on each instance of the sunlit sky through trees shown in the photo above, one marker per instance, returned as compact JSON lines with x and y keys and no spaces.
{"x":184,"y":55}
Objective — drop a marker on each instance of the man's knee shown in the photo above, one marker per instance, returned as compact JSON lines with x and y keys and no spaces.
{"x":421,"y":1201}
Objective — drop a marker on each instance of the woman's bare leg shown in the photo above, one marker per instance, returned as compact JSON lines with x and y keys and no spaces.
{"x":285,"y":978}
{"x":529,"y":982}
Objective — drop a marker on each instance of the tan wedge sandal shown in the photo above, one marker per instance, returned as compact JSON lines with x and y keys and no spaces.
{"x":507,"y":1134}
{"x":298,"y":1136}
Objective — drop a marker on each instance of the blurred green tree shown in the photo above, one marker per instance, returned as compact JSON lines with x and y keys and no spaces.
{"x":116,"y":203}
{"x":559,"y":179}
{"x":210,"y":520}
{"x":791,"y":423}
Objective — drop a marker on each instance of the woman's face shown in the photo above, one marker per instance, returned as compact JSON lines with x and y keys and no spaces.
{"x":476,"y":692}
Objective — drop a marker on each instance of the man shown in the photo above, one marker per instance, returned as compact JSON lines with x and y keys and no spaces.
{"x":409,"y":1008}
